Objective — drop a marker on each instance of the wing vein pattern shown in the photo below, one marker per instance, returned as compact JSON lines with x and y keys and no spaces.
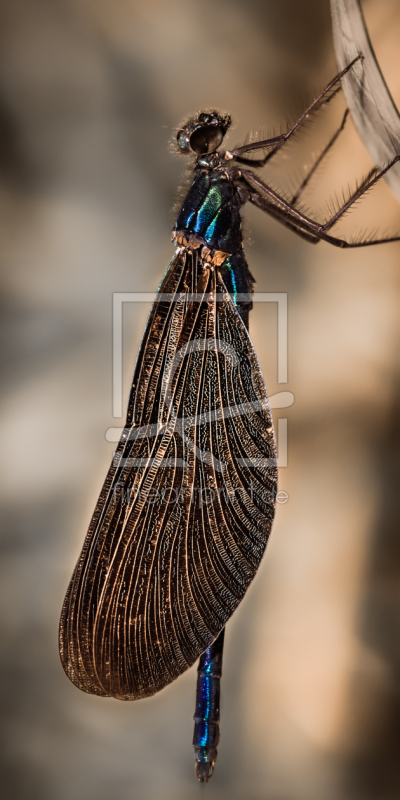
{"x":185,"y":512}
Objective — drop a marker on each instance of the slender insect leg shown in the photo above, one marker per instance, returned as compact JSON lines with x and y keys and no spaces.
{"x":278,"y":141}
{"x":309,"y":225}
{"x":367,"y":183}
{"x":282,"y":216}
{"x":293,"y":214}
{"x":363,"y":243}
{"x":319,"y":160}
{"x":306,"y":228}
{"x":260,"y":162}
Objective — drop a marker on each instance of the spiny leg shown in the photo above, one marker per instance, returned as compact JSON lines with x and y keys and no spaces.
{"x":277,"y":141}
{"x":309,"y":233}
{"x":319,"y":160}
{"x":298,"y":222}
{"x":260,"y":162}
{"x":363,"y":243}
{"x":281,"y":215}
{"x":366,"y":184}
{"x":297,"y":217}
{"x":363,"y":186}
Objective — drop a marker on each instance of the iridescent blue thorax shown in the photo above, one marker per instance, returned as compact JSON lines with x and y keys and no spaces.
{"x":212,"y":210}
{"x":211,"y":213}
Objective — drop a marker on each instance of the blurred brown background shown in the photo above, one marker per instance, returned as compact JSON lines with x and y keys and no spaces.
{"x":88,"y":92}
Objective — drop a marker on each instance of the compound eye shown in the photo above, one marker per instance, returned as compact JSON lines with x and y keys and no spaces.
{"x":206,"y":139}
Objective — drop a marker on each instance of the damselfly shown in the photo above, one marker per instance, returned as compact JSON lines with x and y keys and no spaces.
{"x":186,"y":509}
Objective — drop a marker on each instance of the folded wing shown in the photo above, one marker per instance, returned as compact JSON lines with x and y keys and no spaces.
{"x":187,"y":506}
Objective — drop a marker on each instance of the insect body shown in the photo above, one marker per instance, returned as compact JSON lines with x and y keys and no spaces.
{"x":184,"y":515}
{"x":185,"y":512}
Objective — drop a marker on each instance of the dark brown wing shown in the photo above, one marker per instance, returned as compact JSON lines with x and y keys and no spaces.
{"x":184,"y":515}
